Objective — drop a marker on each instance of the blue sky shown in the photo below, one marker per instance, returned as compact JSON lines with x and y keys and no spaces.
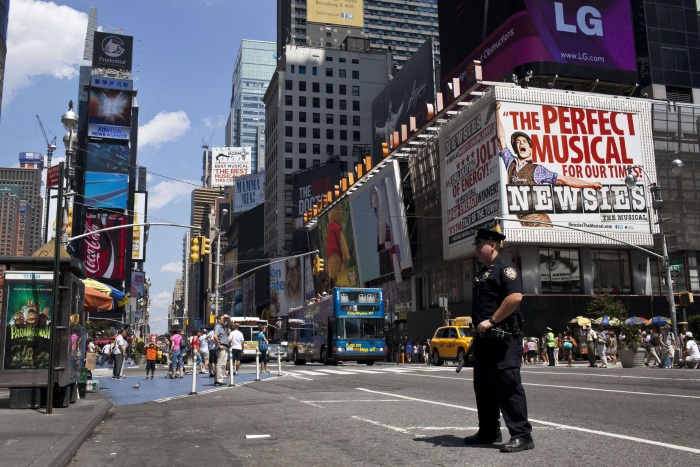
{"x":183,"y":64}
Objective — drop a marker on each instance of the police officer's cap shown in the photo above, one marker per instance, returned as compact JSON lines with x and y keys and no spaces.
{"x":483,"y":235}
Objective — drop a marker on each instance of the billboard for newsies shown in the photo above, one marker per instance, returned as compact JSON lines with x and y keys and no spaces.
{"x":249,"y":192}
{"x":379,"y":225}
{"x":551,"y":157}
{"x":591,"y":39}
{"x":342,"y":13}
{"x":228,"y":163}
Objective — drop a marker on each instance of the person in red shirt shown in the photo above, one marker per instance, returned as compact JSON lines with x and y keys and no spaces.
{"x":151,"y":353}
{"x":194,"y":345}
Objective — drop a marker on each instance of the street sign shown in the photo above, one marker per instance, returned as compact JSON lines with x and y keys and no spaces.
{"x":52,"y":176}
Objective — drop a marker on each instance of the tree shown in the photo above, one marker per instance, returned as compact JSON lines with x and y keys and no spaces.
{"x":606,"y":305}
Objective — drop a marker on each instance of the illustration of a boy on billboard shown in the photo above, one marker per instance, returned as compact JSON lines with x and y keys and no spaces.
{"x":522,"y":171}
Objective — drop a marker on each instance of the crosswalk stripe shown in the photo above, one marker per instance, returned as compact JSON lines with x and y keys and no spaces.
{"x":307,"y":372}
{"x":337,"y":372}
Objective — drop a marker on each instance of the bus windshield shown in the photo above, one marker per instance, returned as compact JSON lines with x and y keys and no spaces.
{"x":359,"y":328}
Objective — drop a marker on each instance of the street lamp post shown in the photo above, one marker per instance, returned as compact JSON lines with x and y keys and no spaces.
{"x":218,"y":263}
{"x":658,"y":204}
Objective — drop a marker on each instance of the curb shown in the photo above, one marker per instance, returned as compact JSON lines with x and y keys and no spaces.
{"x":66,"y":456}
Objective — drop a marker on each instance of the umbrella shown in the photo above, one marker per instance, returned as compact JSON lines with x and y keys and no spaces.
{"x":97,"y":301}
{"x":660,"y":320}
{"x":605,"y":321}
{"x":119,"y":297}
{"x":580,"y":321}
{"x":637,"y":320}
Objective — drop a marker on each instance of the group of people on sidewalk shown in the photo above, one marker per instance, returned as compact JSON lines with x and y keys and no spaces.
{"x":551,"y":349}
{"x":661,"y":347}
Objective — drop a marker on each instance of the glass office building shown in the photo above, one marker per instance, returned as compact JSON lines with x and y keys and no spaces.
{"x":255,"y":65}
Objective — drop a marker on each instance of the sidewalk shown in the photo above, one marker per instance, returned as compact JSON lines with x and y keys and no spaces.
{"x":30,"y":437}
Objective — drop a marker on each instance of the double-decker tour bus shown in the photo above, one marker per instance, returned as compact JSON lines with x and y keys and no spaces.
{"x":346,"y":326}
{"x":250,"y":327}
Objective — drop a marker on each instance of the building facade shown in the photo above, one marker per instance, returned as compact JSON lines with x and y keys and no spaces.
{"x":29,"y":181}
{"x":318,"y":105}
{"x":15,"y":217}
{"x":4,"y":15}
{"x":255,"y":64}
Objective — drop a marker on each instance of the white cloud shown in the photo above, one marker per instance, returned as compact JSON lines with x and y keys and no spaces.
{"x":175,"y":266}
{"x":161,"y":300}
{"x":167,"y":192}
{"x":43,"y":39}
{"x":164,"y":128}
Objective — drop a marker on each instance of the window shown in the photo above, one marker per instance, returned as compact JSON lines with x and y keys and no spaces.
{"x":314,"y":71}
{"x":343,"y":119}
{"x":611,"y":271}
{"x":560,"y":270}
{"x":302,"y":86}
{"x":288,"y":99}
{"x":356,"y":136}
{"x":288,"y":116}
{"x":302,"y":116}
{"x":329,"y":88}
{"x":355,"y":120}
{"x":355,"y":73}
{"x":329,"y":119}
{"x":288,"y":131}
{"x":342,"y":73}
{"x":341,"y":59}
{"x":302,"y":101}
{"x":288,"y":85}
{"x":343,"y":104}
{"x":315,"y":87}
{"x":316,"y":162}
{"x":302,"y":148}
{"x":288,"y":146}
{"x":316,"y":117}
{"x":342,"y":89}
{"x":302,"y":163}
{"x":329,"y":72}
{"x":316,"y":133}
{"x":355,"y":61}
{"x":288,"y":179}
{"x":330,"y":149}
{"x":329,"y":59}
{"x":356,"y":105}
{"x":291,"y":69}
{"x":343,"y":151}
{"x":302,"y":132}
{"x":329,"y":133}
{"x":316,"y":102}
{"x":316,"y":149}
{"x":288,"y":163}
{"x":329,"y":103}
{"x":302,"y":70}
{"x":355,"y":90}
{"x":343,"y":135}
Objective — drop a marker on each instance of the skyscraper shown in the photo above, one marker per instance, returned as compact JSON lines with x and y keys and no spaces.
{"x":15,"y":215}
{"x":29,"y":181}
{"x":255,"y":64}
{"x":4,"y":11}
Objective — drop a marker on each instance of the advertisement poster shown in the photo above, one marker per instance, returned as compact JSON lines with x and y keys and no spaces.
{"x":106,"y":190}
{"x":138,"y":233}
{"x":104,"y":252}
{"x":103,"y":157}
{"x":337,"y":246}
{"x":28,"y":319}
{"x":342,"y":13}
{"x":308,"y":187}
{"x":249,"y":192}
{"x":227,"y":164}
{"x":113,"y":51}
{"x":137,"y":280}
{"x":379,"y":226}
{"x":567,"y":165}
{"x":286,"y":287}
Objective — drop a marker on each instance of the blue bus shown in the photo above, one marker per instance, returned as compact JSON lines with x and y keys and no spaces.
{"x":346,"y":326}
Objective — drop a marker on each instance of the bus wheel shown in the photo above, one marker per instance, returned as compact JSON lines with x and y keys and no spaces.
{"x":370,"y":363}
{"x":295,"y":357}
{"x":436,"y":358}
{"x":324,"y":356}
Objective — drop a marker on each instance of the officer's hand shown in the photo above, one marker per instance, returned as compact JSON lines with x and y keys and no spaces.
{"x":484,"y":326}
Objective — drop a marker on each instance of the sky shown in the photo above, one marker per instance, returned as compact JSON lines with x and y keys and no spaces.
{"x":184,"y":54}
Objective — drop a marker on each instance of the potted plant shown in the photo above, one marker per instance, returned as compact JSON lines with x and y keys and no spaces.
{"x":629,"y":350}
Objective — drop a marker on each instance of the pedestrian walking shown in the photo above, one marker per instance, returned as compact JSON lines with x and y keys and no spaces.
{"x":568,"y":347}
{"x":543,"y":349}
{"x":151,"y":354}
{"x":612,"y":347}
{"x":409,"y":352}
{"x":532,"y":350}
{"x":237,"y":342}
{"x":177,"y":366}
{"x":551,"y":344}
{"x":668,"y":346}
{"x":559,"y":343}
{"x":194,"y":346}
{"x":118,"y":353}
{"x":601,"y":344}
{"x":222,"y":345}
{"x":262,"y":347}
{"x":213,"y":354}
{"x":591,"y":338}
{"x":204,"y":350}
{"x":652,"y":349}
{"x":498,"y":348}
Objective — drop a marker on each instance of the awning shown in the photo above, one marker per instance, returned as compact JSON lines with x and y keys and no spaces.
{"x":119,"y":297}
{"x":97,"y":301}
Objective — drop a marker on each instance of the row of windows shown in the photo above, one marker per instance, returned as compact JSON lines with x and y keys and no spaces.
{"x":330,"y":133}
{"x":342,"y":72}
{"x":560,"y":271}
{"x":302,"y":164}
{"x":316,"y":101}
{"x":316,"y":87}
{"x":342,"y":105}
{"x":330,"y":120}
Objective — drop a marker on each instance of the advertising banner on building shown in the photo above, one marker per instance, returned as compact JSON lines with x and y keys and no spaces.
{"x":110,"y":107}
{"x":337,"y":246}
{"x":249,"y":192}
{"x":111,"y":83}
{"x":107,"y":157}
{"x":138,"y":237}
{"x":112,"y":51}
{"x":308,"y":187}
{"x":286,"y":287}
{"x":404,"y":97}
{"x":106,"y":190}
{"x":379,"y":226}
{"x":104,"y":252}
{"x":228,"y":163}
{"x":595,"y":34}
{"x":342,"y":13}
{"x":31,"y":158}
{"x":137,"y":280}
{"x":28,"y":314}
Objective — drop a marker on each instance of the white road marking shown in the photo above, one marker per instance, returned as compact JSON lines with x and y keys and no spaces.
{"x":384,"y":425}
{"x":337,"y":372}
{"x":543,"y":422}
{"x":257,"y":436}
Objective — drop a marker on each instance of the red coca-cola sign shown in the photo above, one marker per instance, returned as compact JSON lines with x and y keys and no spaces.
{"x":104,"y":252}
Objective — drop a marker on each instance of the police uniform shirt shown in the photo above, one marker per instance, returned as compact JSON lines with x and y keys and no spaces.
{"x":493,"y":284}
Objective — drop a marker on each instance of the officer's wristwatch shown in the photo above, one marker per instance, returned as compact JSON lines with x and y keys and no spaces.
{"x":493,"y":323}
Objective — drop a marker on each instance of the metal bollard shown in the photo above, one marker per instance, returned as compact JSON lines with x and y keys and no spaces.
{"x":279,"y":362}
{"x":257,"y":365}
{"x":232,"y":366}
{"x":194,"y":374}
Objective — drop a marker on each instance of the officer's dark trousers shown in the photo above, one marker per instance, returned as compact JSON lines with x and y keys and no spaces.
{"x":498,"y":387}
{"x":550,"y":354}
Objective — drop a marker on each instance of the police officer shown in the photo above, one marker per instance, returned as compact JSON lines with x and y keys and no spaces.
{"x":497,"y":355}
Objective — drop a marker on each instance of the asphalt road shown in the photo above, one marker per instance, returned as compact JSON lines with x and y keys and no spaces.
{"x":407,"y":415}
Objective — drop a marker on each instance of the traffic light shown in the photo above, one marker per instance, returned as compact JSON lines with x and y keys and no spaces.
{"x":68,"y":221}
{"x":206,"y":245}
{"x":194,"y":250}
{"x":318,"y":265}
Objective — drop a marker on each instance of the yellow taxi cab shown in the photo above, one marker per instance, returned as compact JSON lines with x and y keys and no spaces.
{"x":452,"y":342}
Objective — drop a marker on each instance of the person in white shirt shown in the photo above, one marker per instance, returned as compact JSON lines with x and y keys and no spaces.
{"x":236,"y":340}
{"x":692,"y":353}
{"x":106,"y":349}
{"x":204,"y":349}
{"x":119,"y":350}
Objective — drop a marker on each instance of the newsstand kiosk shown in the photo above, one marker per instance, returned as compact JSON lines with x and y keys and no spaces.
{"x":26,"y":315}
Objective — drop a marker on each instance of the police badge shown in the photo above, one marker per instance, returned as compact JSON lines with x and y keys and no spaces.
{"x":511,"y":273}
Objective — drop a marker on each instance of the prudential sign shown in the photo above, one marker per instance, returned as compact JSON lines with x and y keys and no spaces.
{"x":112,"y":51}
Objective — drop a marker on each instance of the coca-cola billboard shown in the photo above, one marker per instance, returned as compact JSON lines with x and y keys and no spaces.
{"x":104,"y":252}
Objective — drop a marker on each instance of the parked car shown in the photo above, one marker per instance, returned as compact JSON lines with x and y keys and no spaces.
{"x":273,"y":349}
{"x":451,"y":343}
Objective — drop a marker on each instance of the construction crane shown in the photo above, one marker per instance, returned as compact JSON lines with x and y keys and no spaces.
{"x":205,"y":140}
{"x":50,"y":147}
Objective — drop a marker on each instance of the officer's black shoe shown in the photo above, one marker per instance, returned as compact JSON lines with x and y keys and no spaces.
{"x":481,"y":439}
{"x":517,"y":445}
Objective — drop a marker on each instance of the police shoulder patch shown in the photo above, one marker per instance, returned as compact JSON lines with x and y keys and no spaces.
{"x":511,"y":273}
